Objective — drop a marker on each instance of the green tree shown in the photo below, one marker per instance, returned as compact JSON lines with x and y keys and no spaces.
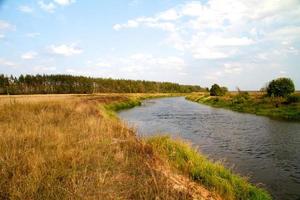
{"x":4,"y":84}
{"x":280,"y":87}
{"x":216,"y":90}
{"x":65,"y":84}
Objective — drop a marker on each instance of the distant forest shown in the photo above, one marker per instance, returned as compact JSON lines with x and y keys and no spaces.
{"x":68,"y":84}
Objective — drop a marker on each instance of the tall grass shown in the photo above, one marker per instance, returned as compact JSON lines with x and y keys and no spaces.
{"x":70,"y":150}
{"x":212,"y":175}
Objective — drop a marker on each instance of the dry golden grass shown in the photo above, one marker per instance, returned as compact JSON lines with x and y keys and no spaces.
{"x":65,"y":147}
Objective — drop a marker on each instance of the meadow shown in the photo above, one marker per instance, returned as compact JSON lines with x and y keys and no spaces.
{"x":75,"y":147}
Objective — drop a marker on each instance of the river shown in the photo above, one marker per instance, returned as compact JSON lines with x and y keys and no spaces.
{"x":265,"y":150}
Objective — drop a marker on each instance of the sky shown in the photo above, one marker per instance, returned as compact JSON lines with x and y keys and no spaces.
{"x":235,"y":43}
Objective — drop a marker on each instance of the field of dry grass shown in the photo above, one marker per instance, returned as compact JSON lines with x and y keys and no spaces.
{"x":67,"y":147}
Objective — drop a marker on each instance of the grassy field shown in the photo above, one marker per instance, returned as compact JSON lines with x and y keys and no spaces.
{"x":74,"y":147}
{"x":255,"y":103}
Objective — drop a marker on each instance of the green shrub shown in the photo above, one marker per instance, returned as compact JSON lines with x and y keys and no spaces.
{"x":238,"y":99}
{"x":294,"y":98}
{"x":216,"y":90}
{"x":280,"y":87}
{"x":241,"y":97}
{"x":216,"y":100}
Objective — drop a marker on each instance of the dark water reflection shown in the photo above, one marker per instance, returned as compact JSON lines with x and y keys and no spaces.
{"x":266,"y":150}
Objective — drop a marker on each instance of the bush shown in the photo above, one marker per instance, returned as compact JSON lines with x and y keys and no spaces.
{"x":280,"y":87}
{"x":238,"y":99}
{"x":294,"y":98}
{"x":216,"y":100}
{"x":241,"y":97}
{"x":216,"y":90}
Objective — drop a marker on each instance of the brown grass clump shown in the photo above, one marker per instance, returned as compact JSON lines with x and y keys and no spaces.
{"x":68,"y":149}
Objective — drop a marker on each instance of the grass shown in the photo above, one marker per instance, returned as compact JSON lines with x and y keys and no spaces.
{"x":68,"y":149}
{"x":212,"y":175}
{"x":72,"y":147}
{"x":255,"y":103}
{"x":123,"y":105}
{"x":132,"y":100}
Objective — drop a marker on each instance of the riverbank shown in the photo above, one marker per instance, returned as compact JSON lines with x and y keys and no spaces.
{"x":70,"y":146}
{"x":254,"y":103}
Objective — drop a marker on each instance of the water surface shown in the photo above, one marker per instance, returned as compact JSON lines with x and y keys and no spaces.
{"x":266,"y":150}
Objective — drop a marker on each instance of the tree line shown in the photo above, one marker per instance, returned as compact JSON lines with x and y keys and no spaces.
{"x":69,"y":84}
{"x":280,"y":87}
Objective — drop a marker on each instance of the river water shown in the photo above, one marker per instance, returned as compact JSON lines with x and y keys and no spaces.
{"x":265,"y":150}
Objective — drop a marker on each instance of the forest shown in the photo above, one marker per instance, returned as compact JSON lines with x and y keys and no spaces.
{"x":69,"y":84}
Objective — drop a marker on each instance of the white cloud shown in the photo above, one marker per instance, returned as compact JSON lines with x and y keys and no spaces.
{"x":141,"y":60}
{"x":8,"y":63}
{"x":282,"y":52}
{"x":228,"y":69}
{"x":4,"y":26}
{"x":103,"y":64}
{"x":166,"y":26}
{"x":52,"y":5}
{"x":216,"y":41}
{"x":271,"y":8}
{"x":29,"y":55}
{"x":71,"y":70}
{"x":288,"y":33}
{"x":192,"y":9}
{"x":135,"y":66}
{"x":170,"y":14}
{"x":231,"y":68}
{"x":147,"y":22}
{"x":44,"y":69}
{"x":2,"y":36}
{"x":282,"y":72}
{"x":210,"y":53}
{"x":48,"y":7}
{"x":33,"y":35}
{"x":129,"y":24}
{"x":25,"y":9}
{"x":65,"y":50}
{"x":220,"y":28}
{"x":134,"y":2}
{"x":64,"y":2}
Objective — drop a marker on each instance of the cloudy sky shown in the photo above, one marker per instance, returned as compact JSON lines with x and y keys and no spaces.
{"x":241,"y":43}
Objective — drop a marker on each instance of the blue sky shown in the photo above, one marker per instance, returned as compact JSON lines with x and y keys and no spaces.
{"x":230,"y":42}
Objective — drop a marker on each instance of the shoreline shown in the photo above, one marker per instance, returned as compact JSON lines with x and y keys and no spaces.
{"x":252,"y":105}
{"x":190,"y":162}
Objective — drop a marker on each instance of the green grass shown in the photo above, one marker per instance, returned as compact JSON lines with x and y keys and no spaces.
{"x":123,"y":105}
{"x":133,"y":101}
{"x":212,"y":175}
{"x":277,"y":108}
